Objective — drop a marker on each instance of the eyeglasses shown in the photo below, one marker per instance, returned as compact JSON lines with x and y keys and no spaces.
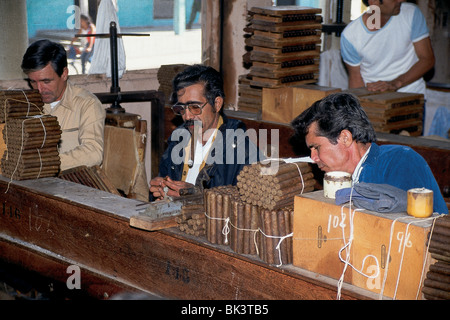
{"x":194,"y":108}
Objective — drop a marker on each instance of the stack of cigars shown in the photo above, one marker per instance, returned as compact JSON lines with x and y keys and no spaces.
{"x":31,"y":148}
{"x":436,"y":285}
{"x":192,"y":219}
{"x":31,"y":138}
{"x":274,"y":185}
{"x":247,"y":228}
{"x":20,"y":103}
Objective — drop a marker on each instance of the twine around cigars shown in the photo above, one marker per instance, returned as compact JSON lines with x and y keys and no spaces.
{"x":27,"y":117}
{"x":226,"y":228}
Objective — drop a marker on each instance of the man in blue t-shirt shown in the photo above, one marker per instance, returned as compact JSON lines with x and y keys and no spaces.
{"x":341,"y":138}
{"x":388,"y":48}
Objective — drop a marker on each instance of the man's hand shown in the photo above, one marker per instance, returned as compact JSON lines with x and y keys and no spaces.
{"x":384,"y":85}
{"x":157,"y":187}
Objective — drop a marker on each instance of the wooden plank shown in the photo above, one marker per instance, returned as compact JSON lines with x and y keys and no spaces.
{"x":281,"y":28}
{"x":255,"y":41}
{"x":147,"y":223}
{"x":166,"y":263}
{"x":280,"y":11}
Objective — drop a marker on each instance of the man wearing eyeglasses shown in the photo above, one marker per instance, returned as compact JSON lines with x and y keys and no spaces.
{"x":208,"y":149}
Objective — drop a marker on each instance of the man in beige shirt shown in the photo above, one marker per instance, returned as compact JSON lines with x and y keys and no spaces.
{"x":80,"y":114}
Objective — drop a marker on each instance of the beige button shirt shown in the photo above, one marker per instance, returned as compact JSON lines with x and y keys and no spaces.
{"x":82,"y":119}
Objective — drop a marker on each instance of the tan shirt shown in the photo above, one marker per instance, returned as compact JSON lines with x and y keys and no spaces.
{"x":82,"y":119}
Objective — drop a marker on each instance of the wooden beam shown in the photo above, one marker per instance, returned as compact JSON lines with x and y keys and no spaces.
{"x":166,"y":263}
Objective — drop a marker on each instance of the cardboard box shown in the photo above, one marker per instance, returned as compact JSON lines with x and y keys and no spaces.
{"x":318,"y":241}
{"x":285,"y":103}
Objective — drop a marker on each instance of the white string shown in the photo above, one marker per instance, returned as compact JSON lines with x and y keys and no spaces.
{"x":347,"y":247}
{"x":226,"y":231}
{"x":21,"y":148}
{"x":415,"y":220}
{"x":278,"y":245}
{"x":289,"y":162}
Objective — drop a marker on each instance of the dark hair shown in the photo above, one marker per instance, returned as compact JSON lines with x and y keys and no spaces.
{"x":333,"y":114}
{"x":366,"y":2}
{"x":86,"y":18}
{"x":42,"y":52}
{"x":197,"y":73}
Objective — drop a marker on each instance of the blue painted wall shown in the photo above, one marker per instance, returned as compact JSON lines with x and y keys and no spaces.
{"x":53,"y":15}
{"x":47,"y":15}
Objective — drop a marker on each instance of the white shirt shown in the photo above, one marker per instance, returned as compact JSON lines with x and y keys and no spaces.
{"x":386,"y":53}
{"x":201,"y":153}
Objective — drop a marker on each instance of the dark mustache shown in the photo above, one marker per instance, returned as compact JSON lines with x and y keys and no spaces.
{"x":192,"y":123}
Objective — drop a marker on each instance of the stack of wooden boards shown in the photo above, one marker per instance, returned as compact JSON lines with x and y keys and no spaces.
{"x":437,"y":283}
{"x":31,"y":138}
{"x":283,"y":44}
{"x":393,"y":112}
{"x":93,"y":177}
{"x":165,"y":75}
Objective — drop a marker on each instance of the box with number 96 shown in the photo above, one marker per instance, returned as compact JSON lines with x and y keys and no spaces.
{"x":382,"y":253}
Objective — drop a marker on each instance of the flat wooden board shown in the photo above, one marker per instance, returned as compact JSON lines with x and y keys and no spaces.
{"x":283,"y":72}
{"x":142,"y":221}
{"x":82,"y":195}
{"x":284,"y":10}
{"x":279,"y":43}
{"x":280,"y":28}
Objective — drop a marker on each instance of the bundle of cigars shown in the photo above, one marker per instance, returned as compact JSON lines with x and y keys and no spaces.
{"x":31,"y":147}
{"x":20,"y":103}
{"x":274,"y":184}
{"x":436,"y":285}
{"x":247,"y":228}
{"x":192,"y":219}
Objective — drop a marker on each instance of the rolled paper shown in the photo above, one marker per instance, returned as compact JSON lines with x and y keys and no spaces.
{"x":334,"y":181}
{"x":419,"y":202}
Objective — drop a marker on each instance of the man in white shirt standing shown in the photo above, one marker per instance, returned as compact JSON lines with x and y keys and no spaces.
{"x":388,"y":48}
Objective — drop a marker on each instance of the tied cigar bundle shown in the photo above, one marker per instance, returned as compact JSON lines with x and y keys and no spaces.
{"x":31,"y":144}
{"x":437,"y":282}
{"x":276,"y":225}
{"x":218,"y":209}
{"x":248,"y":228}
{"x":20,"y":103}
{"x":231,"y":221}
{"x":274,"y":185}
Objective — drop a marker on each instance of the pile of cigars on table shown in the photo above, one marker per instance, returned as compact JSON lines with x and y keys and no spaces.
{"x":255,"y":216}
{"x":30,"y":149}
{"x":282,"y":50}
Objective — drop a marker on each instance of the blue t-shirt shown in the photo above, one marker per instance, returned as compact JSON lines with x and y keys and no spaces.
{"x":401,"y":167}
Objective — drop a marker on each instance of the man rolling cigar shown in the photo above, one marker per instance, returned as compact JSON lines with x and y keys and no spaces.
{"x":208,"y":149}
{"x":80,"y":114}
{"x":341,"y":138}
